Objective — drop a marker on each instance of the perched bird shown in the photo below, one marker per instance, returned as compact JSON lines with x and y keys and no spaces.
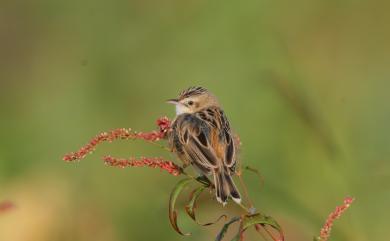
{"x":201,"y":136}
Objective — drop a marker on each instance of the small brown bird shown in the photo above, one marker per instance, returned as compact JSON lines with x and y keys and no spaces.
{"x":201,"y":136}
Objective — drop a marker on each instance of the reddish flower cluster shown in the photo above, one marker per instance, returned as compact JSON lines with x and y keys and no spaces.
{"x":325,"y":231}
{"x":121,"y":133}
{"x":6,"y":206}
{"x":164,"y":123}
{"x":153,"y":162}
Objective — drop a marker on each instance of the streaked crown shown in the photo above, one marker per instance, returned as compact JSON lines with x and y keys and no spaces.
{"x":192,"y":91}
{"x":193,"y":99}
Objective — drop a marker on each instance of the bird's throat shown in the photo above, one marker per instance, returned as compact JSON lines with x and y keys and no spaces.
{"x":181,"y":109}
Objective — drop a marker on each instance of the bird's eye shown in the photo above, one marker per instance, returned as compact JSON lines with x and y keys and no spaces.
{"x":190,"y":102}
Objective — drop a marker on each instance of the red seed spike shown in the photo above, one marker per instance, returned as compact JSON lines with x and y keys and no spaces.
{"x":121,"y":133}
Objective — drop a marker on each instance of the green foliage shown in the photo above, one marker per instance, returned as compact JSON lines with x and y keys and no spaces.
{"x":172,"y":202}
{"x":258,"y":218}
{"x":191,"y":206}
{"x":246,"y":220}
{"x":225,"y":228}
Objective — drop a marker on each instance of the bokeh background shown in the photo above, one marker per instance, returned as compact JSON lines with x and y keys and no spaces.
{"x":304,"y":83}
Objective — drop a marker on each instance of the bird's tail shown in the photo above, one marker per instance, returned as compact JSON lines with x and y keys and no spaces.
{"x":225,"y":187}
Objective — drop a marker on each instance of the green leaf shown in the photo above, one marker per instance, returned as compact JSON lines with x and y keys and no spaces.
{"x":172,"y":201}
{"x":258,"y":218}
{"x":191,"y":206}
{"x":263,"y":220}
{"x":225,"y":228}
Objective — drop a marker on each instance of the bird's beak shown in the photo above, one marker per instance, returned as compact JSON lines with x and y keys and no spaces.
{"x":173,"y":101}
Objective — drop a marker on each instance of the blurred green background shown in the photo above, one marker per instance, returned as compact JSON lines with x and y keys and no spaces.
{"x":305,"y":85}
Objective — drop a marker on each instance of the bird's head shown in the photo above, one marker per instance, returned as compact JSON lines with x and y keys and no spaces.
{"x":193,"y":100}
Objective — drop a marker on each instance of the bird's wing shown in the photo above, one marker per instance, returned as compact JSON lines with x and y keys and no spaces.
{"x":192,"y":136}
{"x":225,"y":136}
{"x":205,"y":139}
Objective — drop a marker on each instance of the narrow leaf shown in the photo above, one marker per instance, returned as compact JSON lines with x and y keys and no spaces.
{"x":263,"y":220}
{"x":260,"y":219}
{"x":191,"y":206}
{"x":172,"y":201}
{"x":225,"y":228}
